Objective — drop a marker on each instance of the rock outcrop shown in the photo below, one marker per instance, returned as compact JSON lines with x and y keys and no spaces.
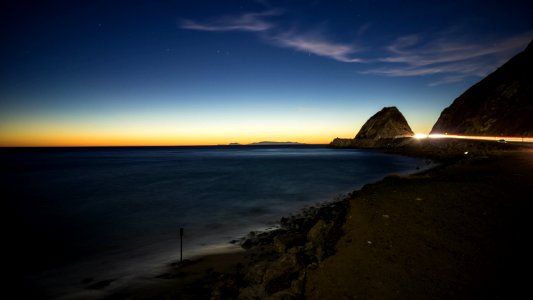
{"x":386,"y":128}
{"x":388,"y":123}
{"x":341,"y":143}
{"x":499,"y":105}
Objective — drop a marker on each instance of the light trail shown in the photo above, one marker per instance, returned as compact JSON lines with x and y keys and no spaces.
{"x":506,"y":139}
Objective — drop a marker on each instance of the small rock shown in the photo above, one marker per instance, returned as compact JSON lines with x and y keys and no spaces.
{"x":282,"y":242}
{"x":281,"y":272}
{"x":319,"y":231}
{"x":284,"y":295}
{"x":254,"y":274}
{"x":298,"y":285}
{"x":252,"y":292}
{"x":319,"y":236}
{"x":226,"y":287}
{"x":249,"y":243}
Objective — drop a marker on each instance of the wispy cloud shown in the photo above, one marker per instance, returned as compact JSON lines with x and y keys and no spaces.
{"x":253,"y":22}
{"x":444,"y":56}
{"x":448,"y":80}
{"x":317,"y":45}
{"x":445,"y":50}
{"x":457,"y":67}
{"x":257,"y":22}
{"x":364,"y":28}
{"x":454,"y":59}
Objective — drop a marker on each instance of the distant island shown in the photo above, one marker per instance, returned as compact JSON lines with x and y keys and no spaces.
{"x":264,"y":143}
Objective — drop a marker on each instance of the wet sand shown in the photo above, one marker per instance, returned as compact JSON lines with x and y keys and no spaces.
{"x":189,"y":280}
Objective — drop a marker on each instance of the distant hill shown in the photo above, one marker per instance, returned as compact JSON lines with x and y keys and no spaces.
{"x":381,"y":130}
{"x":499,"y":105}
{"x":267,"y":143}
{"x":263,"y":143}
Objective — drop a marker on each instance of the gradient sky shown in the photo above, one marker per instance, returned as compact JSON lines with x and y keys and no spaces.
{"x":77,"y":73}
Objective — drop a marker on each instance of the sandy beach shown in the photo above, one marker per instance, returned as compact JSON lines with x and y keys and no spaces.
{"x":455,"y":231}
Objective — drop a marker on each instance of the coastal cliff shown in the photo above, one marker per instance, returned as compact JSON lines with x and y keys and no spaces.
{"x":499,"y":105}
{"x":386,"y":128}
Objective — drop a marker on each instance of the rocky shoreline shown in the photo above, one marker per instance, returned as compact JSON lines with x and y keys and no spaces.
{"x":273,"y":264}
{"x":279,"y":260}
{"x":289,"y":262}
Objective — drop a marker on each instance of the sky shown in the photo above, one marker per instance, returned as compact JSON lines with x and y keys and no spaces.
{"x":118,"y":73}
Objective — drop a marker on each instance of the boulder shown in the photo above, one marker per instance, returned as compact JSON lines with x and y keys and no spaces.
{"x":283,"y":242}
{"x":319,"y":238}
{"x":280,"y":273}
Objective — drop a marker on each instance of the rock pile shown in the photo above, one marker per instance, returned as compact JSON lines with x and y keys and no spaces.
{"x":282,"y":257}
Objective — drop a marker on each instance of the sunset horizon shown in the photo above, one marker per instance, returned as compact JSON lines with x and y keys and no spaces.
{"x":266,"y":149}
{"x":242,"y":71}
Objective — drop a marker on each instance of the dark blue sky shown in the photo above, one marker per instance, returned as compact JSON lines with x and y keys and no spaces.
{"x":208,"y":72}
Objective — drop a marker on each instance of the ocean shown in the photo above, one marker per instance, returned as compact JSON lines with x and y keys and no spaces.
{"x":80,"y":215}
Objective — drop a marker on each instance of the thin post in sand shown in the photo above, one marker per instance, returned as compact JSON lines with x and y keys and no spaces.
{"x":181,"y":245}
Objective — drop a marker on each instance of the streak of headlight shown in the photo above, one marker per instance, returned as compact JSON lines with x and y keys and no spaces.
{"x":485,"y":138}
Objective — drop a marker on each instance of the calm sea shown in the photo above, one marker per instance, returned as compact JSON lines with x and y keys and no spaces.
{"x":110,"y":213}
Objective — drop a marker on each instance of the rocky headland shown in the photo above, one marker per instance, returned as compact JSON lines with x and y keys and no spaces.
{"x":499,"y":105}
{"x":387,"y":128}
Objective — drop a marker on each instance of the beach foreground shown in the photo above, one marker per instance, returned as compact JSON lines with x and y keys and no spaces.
{"x":456,"y":231}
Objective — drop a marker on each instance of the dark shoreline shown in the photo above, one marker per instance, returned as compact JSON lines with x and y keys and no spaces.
{"x":302,"y":240}
{"x":283,"y":263}
{"x":96,"y":277}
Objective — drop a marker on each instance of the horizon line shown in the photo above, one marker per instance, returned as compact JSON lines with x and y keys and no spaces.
{"x":146,"y":146}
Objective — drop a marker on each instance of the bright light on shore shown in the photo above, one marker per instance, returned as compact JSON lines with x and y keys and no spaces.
{"x":501,"y":139}
{"x":421,"y":136}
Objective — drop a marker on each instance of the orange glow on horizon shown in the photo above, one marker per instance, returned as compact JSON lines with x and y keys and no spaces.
{"x":72,"y":139}
{"x":134,"y":142}
{"x":57,"y":132}
{"x":163,"y":134}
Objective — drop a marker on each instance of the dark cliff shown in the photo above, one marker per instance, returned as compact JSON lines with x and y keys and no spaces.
{"x":499,"y":105}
